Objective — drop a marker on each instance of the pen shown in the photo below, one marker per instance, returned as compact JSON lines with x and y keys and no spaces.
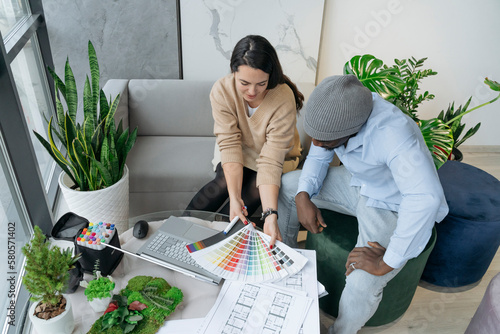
{"x":231,"y":224}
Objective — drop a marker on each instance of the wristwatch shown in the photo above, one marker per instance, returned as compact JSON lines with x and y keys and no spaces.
{"x":268,"y":212}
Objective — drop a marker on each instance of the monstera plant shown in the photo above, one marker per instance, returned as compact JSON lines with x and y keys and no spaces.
{"x":399,"y":84}
{"x":96,"y":149}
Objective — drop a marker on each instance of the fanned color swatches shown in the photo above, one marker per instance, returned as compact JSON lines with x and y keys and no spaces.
{"x":245,"y":256}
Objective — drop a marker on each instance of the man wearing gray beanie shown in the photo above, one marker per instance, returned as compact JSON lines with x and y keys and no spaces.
{"x":387,"y":180}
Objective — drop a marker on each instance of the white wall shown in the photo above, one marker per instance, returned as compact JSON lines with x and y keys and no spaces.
{"x":461,"y":39}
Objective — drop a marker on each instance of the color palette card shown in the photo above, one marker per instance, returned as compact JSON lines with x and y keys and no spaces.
{"x":244,"y":255}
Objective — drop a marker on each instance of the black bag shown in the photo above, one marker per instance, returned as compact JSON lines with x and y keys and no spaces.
{"x":69,"y":227}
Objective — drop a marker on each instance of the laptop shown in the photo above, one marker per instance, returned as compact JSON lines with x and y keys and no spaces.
{"x":167,"y":248}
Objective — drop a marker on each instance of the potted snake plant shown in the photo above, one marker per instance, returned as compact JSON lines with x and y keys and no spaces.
{"x":94,"y":152}
{"x":399,"y":85}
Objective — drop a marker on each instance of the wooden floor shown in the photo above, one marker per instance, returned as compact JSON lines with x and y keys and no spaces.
{"x":445,"y":311}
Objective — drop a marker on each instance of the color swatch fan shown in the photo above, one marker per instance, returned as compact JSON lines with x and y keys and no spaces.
{"x":245,"y":256}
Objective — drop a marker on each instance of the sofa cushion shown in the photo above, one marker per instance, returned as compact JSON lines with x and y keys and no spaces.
{"x":171,"y":108}
{"x":170,"y":164}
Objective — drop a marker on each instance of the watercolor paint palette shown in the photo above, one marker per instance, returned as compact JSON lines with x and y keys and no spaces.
{"x":245,"y":256}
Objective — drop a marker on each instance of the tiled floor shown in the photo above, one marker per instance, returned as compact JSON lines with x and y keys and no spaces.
{"x":444,"y":311}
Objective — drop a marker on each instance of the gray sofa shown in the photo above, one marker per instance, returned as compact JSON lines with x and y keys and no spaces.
{"x":172,"y":158}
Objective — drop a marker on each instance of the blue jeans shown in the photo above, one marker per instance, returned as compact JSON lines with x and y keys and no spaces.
{"x":363,"y":291}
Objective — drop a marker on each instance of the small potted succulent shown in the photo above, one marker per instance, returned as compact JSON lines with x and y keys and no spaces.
{"x":47,"y":274}
{"x":99,"y":291}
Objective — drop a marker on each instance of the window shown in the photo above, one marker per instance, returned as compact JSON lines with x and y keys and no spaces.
{"x":16,"y":232}
{"x":27,"y":183}
{"x":27,"y":69}
{"x":11,"y":12}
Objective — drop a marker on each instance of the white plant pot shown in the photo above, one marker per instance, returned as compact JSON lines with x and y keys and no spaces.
{"x":109,"y":205}
{"x":64,"y":323}
{"x":100,"y":304}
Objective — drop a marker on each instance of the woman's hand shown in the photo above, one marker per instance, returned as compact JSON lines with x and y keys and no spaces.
{"x":237,"y":208}
{"x":269,"y":199}
{"x":271,"y":228}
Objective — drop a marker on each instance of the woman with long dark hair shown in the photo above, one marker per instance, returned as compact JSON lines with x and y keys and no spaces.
{"x":255,"y":112}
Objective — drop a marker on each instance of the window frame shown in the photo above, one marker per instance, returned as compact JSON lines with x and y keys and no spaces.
{"x":37,"y":201}
{"x":19,"y":147}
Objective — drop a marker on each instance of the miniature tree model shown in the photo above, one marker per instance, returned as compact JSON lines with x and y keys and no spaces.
{"x":47,"y":273}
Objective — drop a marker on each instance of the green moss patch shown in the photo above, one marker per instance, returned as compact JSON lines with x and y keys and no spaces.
{"x":161,"y":300}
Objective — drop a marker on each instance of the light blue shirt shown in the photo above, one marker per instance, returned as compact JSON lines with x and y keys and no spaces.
{"x":393,"y":167}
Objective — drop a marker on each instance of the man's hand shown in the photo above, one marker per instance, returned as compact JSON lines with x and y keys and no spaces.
{"x":369,"y":259}
{"x":308,"y":214}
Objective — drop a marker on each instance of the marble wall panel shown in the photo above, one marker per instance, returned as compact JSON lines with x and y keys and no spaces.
{"x":211,"y":28}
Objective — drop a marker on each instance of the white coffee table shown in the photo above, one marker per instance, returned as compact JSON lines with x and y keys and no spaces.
{"x":199,"y":296}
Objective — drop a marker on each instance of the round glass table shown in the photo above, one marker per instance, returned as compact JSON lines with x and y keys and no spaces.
{"x":199,"y":296}
{"x":161,"y":215}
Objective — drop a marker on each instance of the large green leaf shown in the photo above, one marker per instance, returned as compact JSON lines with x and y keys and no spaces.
{"x":59,"y":122}
{"x":131,"y":141}
{"x":120,"y":146}
{"x":88,"y":113}
{"x":119,"y":130}
{"x":94,"y":74}
{"x":79,"y":155}
{"x":59,"y":113}
{"x":113,"y":157}
{"x":60,"y":158}
{"x":110,"y":120}
{"x":97,"y":139}
{"x":373,"y":75}
{"x":472,"y":131}
{"x":70,"y":130}
{"x":128,"y":146}
{"x":104,"y":106}
{"x":58,"y":83}
{"x":439,"y":139}
{"x":71,"y":93}
{"x":104,"y":159}
{"x":51,"y":151}
{"x":106,"y":177}
{"x":494,"y":85}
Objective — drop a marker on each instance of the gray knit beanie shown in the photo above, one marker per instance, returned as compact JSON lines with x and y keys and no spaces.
{"x":338,"y":107}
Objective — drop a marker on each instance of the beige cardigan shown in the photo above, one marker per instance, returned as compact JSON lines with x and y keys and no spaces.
{"x":268,"y":142}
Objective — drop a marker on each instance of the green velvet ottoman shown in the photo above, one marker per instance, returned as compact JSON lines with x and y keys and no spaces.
{"x":332,"y":247}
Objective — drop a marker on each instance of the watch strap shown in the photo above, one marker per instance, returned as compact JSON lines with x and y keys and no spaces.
{"x":268,"y":212}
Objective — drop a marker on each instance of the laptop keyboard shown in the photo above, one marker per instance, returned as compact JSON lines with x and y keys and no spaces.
{"x":173,"y":248}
